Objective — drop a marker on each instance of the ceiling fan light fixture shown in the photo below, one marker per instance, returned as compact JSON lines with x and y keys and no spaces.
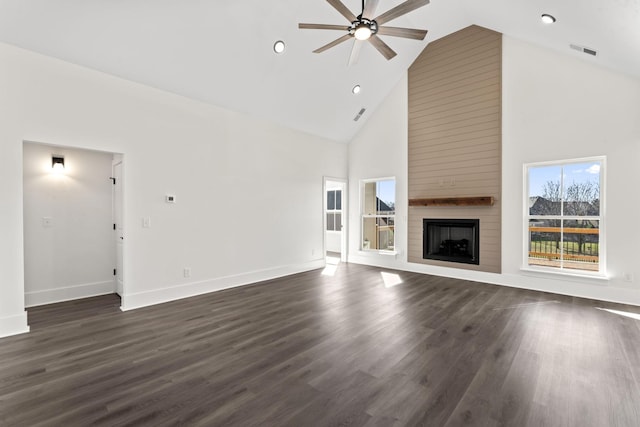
{"x":363,"y":28}
{"x":547,"y":19}
{"x":362,"y":32}
{"x":356,"y":89}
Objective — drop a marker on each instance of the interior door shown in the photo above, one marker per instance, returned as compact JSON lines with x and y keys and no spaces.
{"x":343,"y":219}
{"x":119,"y":229}
{"x":335,"y":210}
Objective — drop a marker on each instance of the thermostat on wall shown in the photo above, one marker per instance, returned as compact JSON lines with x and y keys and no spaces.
{"x":170,"y":198}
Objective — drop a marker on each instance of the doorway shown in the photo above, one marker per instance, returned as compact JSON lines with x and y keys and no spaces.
{"x":335,"y":214}
{"x":69,"y":208}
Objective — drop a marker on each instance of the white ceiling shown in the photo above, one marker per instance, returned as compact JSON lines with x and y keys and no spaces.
{"x":220,"y":52}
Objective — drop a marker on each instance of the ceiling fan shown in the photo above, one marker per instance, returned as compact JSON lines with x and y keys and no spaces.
{"x":363,"y":27}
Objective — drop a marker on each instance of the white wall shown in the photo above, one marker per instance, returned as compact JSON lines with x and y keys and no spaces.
{"x":554,"y":107}
{"x":73,"y":256}
{"x":249,"y":193}
{"x":380,"y":151}
{"x":558,"y":107}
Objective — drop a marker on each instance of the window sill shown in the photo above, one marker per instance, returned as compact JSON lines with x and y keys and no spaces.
{"x":375,"y":252}
{"x":597,"y":277}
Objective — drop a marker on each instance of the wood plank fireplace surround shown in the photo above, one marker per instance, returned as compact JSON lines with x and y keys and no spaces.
{"x":455,"y":141}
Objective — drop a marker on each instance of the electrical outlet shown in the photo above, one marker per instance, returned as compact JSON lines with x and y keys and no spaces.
{"x":186,"y":272}
{"x":47,"y":222}
{"x":628,"y":277}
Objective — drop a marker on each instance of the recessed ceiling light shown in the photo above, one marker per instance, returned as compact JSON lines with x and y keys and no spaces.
{"x":547,"y":19}
{"x":278,"y":47}
{"x":356,"y":89}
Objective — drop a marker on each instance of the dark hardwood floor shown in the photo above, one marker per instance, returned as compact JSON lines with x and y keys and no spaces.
{"x":316,"y":350}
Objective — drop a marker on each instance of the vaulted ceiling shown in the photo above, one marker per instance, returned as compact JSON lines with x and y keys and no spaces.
{"x":220,"y":52}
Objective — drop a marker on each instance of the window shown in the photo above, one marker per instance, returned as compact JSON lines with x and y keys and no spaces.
{"x":378,"y":214}
{"x":334,"y":210}
{"x":564,"y":217}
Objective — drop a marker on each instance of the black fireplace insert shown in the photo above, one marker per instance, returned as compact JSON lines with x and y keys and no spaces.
{"x":454,"y":240}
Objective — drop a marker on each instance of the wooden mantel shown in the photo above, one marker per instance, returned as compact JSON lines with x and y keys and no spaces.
{"x":454,"y":201}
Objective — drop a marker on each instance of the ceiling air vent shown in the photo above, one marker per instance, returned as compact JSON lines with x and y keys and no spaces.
{"x":360,"y":113}
{"x":586,"y":50}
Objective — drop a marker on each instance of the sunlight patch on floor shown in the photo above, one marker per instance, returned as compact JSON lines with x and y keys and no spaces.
{"x":390,"y":279}
{"x":635,"y":316}
{"x":331,"y":266}
{"x":330,"y":270}
{"x":333,"y":260}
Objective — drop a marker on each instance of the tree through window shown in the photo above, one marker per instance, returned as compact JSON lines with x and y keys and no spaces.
{"x":564,"y":215}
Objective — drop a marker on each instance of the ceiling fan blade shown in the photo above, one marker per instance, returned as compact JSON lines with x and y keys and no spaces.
{"x":333,"y":43}
{"x":369,"y":9}
{"x":344,"y":11}
{"x":407,"y":33}
{"x":355,"y":51}
{"x":382,"y":47}
{"x":322,"y":27}
{"x":400,"y":10}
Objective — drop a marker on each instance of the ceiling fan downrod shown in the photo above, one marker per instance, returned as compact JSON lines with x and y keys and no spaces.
{"x":363,"y":28}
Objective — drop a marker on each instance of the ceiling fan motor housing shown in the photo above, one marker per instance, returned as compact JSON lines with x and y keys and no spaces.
{"x":363,"y":22}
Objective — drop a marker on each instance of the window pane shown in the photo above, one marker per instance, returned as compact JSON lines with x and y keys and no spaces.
{"x":337,"y":221}
{"x":582,"y":189}
{"x":545,"y":190}
{"x":545,"y":244}
{"x":330,"y":222}
{"x":386,"y":197}
{"x":369,"y":234}
{"x":386,"y":230}
{"x":581,"y":245}
{"x":369,"y":205}
{"x":331,"y":200}
{"x":339,"y":200}
{"x":378,"y":233}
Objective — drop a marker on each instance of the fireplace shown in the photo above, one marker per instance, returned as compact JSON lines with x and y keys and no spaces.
{"x":454,"y":240}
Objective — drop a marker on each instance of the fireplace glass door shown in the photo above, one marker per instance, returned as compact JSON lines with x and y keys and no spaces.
{"x":453,"y":240}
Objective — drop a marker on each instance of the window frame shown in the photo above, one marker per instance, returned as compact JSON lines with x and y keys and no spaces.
{"x":601,"y":218}
{"x":363,"y":215}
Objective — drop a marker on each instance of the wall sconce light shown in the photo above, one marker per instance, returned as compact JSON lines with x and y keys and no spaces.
{"x":57,"y":163}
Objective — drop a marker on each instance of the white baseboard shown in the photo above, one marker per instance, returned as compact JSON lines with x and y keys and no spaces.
{"x":561,"y":285}
{"x":14,"y":325}
{"x":86,"y":290}
{"x":158,"y":296}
